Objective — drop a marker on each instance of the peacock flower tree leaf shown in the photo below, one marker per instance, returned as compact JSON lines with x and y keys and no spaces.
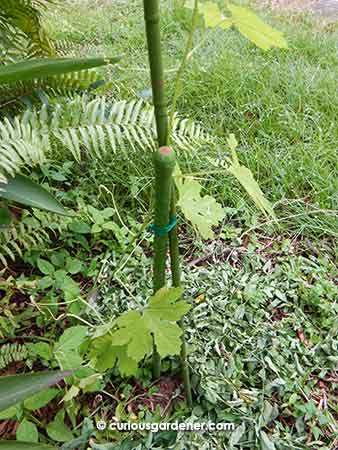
{"x":246,"y":179}
{"x":255,"y":29}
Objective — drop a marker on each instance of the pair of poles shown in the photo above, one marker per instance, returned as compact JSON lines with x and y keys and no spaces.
{"x":164,"y":227}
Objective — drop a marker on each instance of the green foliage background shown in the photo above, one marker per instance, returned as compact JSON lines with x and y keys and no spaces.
{"x":262,"y":334}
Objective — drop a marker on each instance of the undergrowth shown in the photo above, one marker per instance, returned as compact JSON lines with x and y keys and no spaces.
{"x":262,"y":332}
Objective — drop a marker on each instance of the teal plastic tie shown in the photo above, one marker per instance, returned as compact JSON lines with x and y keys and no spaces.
{"x":165,"y":230}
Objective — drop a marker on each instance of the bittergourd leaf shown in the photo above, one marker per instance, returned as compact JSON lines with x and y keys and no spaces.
{"x":213,"y":16}
{"x":134,"y":333}
{"x":167,"y":335}
{"x":255,"y":29}
{"x":104,"y":356}
{"x":131,"y":337}
{"x":246,"y":179}
{"x":202,"y":212}
{"x":246,"y":21}
{"x":165,"y":305}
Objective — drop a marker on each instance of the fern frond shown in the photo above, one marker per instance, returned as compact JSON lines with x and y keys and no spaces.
{"x":29,"y":233}
{"x":20,"y":146}
{"x":10,"y":353}
{"x":18,"y":238}
{"x":89,"y":128}
{"x":65,"y":85}
{"x":20,"y":21}
{"x":96,"y":125}
{"x":71,"y":83}
{"x":188,"y":135}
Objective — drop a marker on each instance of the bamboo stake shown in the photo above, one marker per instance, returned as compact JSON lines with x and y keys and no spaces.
{"x":164,"y":162}
{"x":164,"y":189}
{"x":162,"y":185}
{"x":152,"y":20}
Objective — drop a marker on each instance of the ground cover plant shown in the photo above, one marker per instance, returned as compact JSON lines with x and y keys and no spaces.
{"x":261,"y":331}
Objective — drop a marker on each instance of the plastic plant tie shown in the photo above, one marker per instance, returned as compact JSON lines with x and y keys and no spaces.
{"x":165,"y":230}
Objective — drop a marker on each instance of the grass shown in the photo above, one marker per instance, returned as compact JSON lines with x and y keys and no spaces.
{"x":282,"y":105}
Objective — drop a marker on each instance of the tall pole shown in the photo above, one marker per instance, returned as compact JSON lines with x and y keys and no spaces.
{"x":152,"y":20}
{"x":162,"y":185}
{"x":165,"y":195}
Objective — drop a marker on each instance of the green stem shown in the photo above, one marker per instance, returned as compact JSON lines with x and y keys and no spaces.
{"x":176,"y":279}
{"x":152,"y":20}
{"x":178,"y":79}
{"x":164,"y":162}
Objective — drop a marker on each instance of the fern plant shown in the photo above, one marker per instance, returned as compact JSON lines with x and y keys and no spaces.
{"x":11,"y":353}
{"x":87,"y":128}
{"x":18,"y":188}
{"x":19,"y":94}
{"x":30,"y":232}
{"x":21,"y":31}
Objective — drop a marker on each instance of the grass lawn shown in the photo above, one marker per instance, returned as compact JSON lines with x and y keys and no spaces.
{"x":280,"y":104}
